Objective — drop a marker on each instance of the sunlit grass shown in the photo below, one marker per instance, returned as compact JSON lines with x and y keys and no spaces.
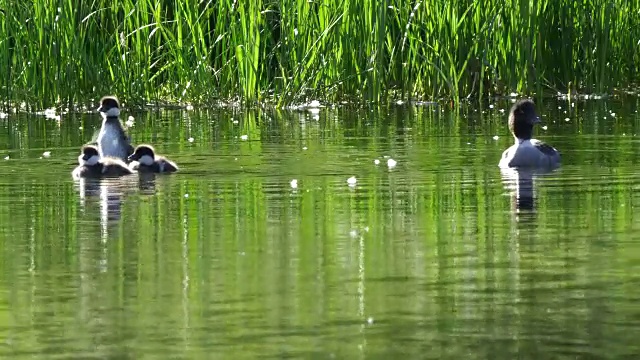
{"x":65,"y":52}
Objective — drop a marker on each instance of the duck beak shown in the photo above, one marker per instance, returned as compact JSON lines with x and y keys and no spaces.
{"x":100,"y":109}
{"x":131,"y":157}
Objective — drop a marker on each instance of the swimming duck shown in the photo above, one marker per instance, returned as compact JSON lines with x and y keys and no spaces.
{"x":92,"y":165}
{"x":144,"y":159}
{"x":112,"y":139}
{"x":527,"y":152}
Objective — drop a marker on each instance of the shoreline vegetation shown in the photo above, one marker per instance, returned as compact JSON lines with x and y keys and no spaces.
{"x":62,"y":53}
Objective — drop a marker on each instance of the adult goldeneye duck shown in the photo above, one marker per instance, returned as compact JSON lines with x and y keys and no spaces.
{"x":527,"y":152}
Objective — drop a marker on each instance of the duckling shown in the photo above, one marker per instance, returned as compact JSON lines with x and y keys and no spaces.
{"x":527,"y":152}
{"x":144,"y":159}
{"x":112,"y":139}
{"x":92,"y":166}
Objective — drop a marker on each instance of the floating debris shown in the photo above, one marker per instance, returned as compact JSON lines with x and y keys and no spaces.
{"x":46,"y":154}
{"x":3,"y":115}
{"x":50,"y":113}
{"x":6,"y":157}
{"x":244,"y":137}
{"x":391,"y":163}
{"x":190,"y":139}
{"x":370,"y":321}
{"x":491,"y":106}
{"x":294,"y":184}
{"x":567,"y":119}
{"x":189,"y":107}
{"x":130,"y":121}
{"x":496,"y":137}
{"x":352,"y":181}
{"x":376,"y":162}
{"x":544,"y":127}
{"x":304,"y":148}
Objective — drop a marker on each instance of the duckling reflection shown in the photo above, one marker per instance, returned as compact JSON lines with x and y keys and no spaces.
{"x":107,"y":193}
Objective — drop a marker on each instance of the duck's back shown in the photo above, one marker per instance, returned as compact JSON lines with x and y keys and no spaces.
{"x":160,"y":165}
{"x":105,"y":168}
{"x":86,"y":171}
{"x":114,"y":167}
{"x":530,"y":154}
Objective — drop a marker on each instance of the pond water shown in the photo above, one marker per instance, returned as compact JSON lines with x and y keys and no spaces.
{"x":442,"y":256}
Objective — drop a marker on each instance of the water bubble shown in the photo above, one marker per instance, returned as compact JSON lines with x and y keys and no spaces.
{"x":376,"y":162}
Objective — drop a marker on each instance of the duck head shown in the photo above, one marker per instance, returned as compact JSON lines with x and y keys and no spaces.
{"x":522,"y":118}
{"x":144,"y":154}
{"x":90,"y":155}
{"x":109,"y":106}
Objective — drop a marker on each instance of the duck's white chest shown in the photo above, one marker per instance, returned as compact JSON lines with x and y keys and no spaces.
{"x":111,"y":143}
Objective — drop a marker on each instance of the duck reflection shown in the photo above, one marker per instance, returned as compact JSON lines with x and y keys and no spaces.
{"x":520,"y":183}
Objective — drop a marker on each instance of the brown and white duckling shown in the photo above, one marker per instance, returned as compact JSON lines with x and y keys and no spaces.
{"x":527,"y":152}
{"x":112,"y":139}
{"x":144,"y":159}
{"x":93,"y":166}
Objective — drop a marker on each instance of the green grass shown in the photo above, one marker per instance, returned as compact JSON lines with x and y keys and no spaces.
{"x":63,"y":52}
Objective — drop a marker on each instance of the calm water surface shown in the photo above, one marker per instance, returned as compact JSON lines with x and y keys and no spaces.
{"x":442,"y":256}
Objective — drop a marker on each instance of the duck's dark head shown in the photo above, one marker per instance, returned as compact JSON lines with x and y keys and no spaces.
{"x":144,"y":154}
{"x":109,"y":106}
{"x":90,"y":155}
{"x":522,"y":118}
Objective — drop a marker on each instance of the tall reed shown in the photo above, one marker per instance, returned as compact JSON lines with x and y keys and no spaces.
{"x":67,"y":52}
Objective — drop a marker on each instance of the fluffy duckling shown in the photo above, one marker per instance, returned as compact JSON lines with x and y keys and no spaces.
{"x":527,"y":152}
{"x":112,"y":139}
{"x":144,"y":159}
{"x":93,"y":166}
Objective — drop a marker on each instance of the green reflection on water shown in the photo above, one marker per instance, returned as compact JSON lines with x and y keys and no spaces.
{"x":431,"y":259}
